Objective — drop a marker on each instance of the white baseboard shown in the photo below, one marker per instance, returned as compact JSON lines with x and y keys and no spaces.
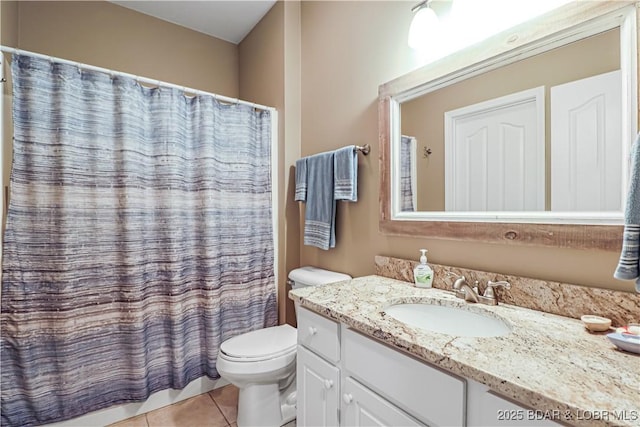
{"x":156,"y":400}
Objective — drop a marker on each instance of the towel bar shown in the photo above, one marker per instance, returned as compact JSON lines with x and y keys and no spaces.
{"x":364,"y":149}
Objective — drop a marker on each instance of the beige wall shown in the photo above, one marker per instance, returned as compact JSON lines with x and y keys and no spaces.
{"x":106,"y":35}
{"x":8,"y":37}
{"x":290,"y":233}
{"x":423,"y":116}
{"x":270,"y":75}
{"x":8,"y":23}
{"x":348,"y":49}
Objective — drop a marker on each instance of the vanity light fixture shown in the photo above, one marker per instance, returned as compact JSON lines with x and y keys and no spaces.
{"x":424,"y":24}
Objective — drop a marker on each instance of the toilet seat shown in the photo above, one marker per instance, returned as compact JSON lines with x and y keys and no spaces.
{"x":259,"y":345}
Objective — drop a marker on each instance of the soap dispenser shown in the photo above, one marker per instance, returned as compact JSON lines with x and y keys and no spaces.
{"x":423,"y":274}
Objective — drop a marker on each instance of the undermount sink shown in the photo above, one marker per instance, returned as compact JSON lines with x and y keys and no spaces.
{"x":448,"y":320}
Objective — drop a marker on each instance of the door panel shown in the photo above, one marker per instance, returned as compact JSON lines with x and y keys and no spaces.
{"x":363,"y":407}
{"x":494,"y":154}
{"x":586,"y":154}
{"x":318,"y":393}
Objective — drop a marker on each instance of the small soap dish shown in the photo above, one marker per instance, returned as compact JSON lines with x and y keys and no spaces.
{"x":630,"y":343}
{"x":596,"y":323}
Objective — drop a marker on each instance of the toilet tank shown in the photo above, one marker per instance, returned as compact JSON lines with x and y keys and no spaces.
{"x":314,"y":276}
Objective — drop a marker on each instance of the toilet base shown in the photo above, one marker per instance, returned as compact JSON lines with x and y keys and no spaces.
{"x":266,"y":405}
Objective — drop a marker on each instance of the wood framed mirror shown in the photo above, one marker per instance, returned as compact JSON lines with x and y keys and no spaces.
{"x":548,"y":224}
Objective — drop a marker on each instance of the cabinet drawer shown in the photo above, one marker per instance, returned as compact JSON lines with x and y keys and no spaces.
{"x":319,"y":334}
{"x":431,"y":395}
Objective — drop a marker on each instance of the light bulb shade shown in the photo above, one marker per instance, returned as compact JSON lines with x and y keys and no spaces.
{"x":425,"y":24}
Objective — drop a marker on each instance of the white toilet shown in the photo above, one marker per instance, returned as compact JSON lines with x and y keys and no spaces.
{"x":262,"y":363}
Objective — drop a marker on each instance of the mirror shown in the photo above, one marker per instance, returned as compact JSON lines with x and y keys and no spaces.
{"x":508,"y":133}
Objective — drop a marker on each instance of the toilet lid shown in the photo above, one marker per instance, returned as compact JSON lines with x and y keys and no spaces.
{"x":262,"y":343}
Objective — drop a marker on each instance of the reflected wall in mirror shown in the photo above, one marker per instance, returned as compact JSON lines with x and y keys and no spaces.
{"x":509,"y":130}
{"x":516,"y":128}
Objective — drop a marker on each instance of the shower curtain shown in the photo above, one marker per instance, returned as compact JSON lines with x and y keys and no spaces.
{"x":139,"y":237}
{"x":408,"y":146}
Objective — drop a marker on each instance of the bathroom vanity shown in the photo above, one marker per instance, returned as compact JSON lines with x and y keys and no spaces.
{"x":358,"y":366}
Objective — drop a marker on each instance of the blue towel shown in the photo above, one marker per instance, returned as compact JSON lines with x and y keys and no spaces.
{"x":629,"y":264}
{"x":301,"y":180}
{"x":320,"y":214}
{"x":346,"y":174}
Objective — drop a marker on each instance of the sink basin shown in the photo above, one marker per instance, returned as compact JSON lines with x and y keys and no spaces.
{"x":448,"y":320}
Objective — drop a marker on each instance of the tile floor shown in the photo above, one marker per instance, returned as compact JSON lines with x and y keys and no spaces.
{"x":217,"y":408}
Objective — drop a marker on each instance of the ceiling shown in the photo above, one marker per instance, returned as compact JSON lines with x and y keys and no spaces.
{"x":229,"y":20}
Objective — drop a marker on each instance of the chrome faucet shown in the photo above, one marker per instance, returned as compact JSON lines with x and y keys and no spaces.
{"x":463,"y":290}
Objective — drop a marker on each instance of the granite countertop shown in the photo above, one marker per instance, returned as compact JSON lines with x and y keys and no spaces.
{"x":548,"y":362}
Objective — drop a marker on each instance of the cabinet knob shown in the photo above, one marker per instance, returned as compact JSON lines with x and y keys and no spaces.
{"x":312,"y":330}
{"x":328,"y":384}
{"x":347,"y":398}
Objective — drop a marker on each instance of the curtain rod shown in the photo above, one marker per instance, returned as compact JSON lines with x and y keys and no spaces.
{"x":139,"y":79}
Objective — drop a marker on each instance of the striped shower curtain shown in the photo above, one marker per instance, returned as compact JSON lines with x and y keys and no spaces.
{"x":139,"y":237}
{"x":408,"y":145}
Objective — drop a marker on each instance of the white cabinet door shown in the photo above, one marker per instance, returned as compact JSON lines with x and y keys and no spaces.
{"x":486,"y":409}
{"x":586,"y":154}
{"x":494,"y":154}
{"x":363,"y":407}
{"x":318,"y":393}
